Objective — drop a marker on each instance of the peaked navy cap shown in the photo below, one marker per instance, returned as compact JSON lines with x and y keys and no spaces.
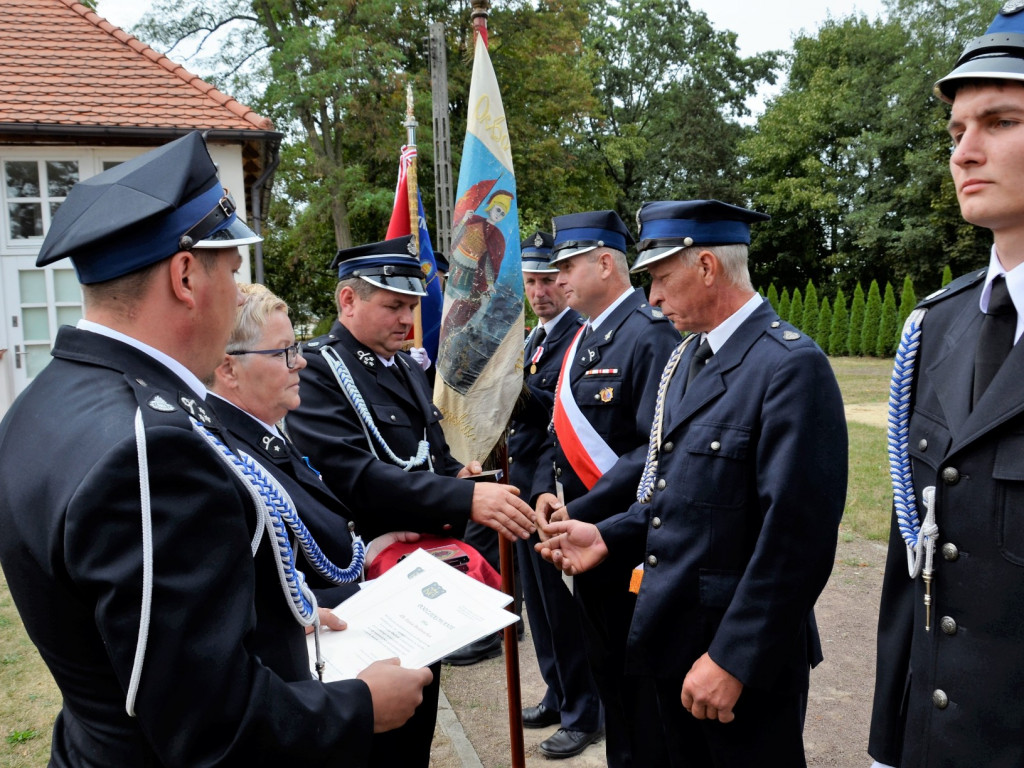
{"x":388,"y":264}
{"x":998,"y":54}
{"x":669,"y":226}
{"x":143,"y":211}
{"x":536,"y":253}
{"x":578,"y":233}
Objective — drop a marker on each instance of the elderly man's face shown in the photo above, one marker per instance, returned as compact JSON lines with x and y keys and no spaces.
{"x":679,"y":289}
{"x":546,"y":298}
{"x":381,"y":322}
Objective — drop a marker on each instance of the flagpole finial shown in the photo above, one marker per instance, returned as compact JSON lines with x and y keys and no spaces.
{"x":411,"y":124}
{"x":481,"y":9}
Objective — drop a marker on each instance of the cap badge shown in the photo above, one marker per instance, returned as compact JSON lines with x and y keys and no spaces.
{"x":157,"y":403}
{"x":1011,"y":7}
{"x":538,"y":241}
{"x":412,"y":248}
{"x":554,"y":229}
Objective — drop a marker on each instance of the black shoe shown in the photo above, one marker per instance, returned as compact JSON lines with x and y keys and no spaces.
{"x":540,"y":717}
{"x":484,"y":648}
{"x":566,"y":743}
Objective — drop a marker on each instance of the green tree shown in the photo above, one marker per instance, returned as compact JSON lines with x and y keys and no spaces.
{"x":839,"y":336}
{"x":872,"y":320}
{"x":773,"y":297}
{"x":824,"y":325}
{"x":784,"y":304}
{"x":856,"y":322}
{"x":812,"y":308}
{"x":908,"y":300}
{"x":885,"y":346}
{"x":796,"y":309}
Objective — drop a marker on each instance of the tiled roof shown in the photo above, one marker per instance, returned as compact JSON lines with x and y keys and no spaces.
{"x":61,"y":65}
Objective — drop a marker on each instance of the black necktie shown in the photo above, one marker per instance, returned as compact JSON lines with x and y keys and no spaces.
{"x":535,"y":341}
{"x":996,"y":338}
{"x":700,"y":358}
{"x":586,"y":331}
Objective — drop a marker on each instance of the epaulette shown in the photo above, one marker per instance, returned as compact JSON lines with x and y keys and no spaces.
{"x":319,"y":341}
{"x":786,"y":334}
{"x":652,"y":313}
{"x":962,"y":283}
{"x":162,"y":408}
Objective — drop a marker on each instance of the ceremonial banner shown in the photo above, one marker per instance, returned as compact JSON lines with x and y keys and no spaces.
{"x":430,"y":305}
{"x":481,"y":346}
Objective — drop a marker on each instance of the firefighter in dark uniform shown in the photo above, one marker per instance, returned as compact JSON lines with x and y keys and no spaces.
{"x":602,"y":417}
{"x":950,"y":662}
{"x":128,"y":523}
{"x":736,"y":518}
{"x":571,"y":698}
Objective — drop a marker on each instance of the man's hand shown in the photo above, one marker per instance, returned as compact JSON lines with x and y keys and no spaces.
{"x":709,"y":692}
{"x":329,"y":620}
{"x":548,"y":510}
{"x":499,"y":507}
{"x":396,"y":692}
{"x":573,"y":546}
{"x":385,"y":540}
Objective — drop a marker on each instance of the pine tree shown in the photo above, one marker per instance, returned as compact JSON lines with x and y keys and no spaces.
{"x":872,"y":320}
{"x":773,"y":297}
{"x":824,"y":325}
{"x":947,"y":276}
{"x":886,"y":342}
{"x":856,"y":321}
{"x":784,"y":304}
{"x":839,"y":338}
{"x":796,"y":310}
{"x":908,"y":300}
{"x":811,"y":309}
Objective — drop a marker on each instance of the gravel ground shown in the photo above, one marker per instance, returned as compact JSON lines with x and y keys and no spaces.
{"x":474,"y":732}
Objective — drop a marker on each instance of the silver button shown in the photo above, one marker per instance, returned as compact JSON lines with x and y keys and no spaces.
{"x":715,"y":445}
{"x":392,"y":417}
{"x":950,"y":476}
{"x":668,"y":447}
{"x":433,"y":459}
{"x":922,"y":444}
{"x":662,"y":484}
{"x":597,"y":397}
{"x":948,"y":625}
{"x":511,"y":460}
{"x":652,"y":561}
{"x":511,"y":432}
{"x":950,"y":552}
{"x":656,"y":522}
{"x":940,"y":699}
{"x":776,"y":324}
{"x":558,"y":472}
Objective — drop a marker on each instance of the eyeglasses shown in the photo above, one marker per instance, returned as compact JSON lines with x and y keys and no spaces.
{"x":290,"y":354}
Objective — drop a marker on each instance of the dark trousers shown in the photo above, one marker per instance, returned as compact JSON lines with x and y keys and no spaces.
{"x":409,"y":746}
{"x":768,"y":730}
{"x":630,"y":704}
{"x":557,"y":629}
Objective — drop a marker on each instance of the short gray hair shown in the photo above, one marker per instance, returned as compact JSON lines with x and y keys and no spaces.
{"x":251,"y":318}
{"x":732,"y":257}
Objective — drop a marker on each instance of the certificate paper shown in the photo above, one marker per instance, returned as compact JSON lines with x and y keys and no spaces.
{"x":420,"y":611}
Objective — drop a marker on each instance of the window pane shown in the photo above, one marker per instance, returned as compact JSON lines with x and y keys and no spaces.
{"x":22,"y":178}
{"x":68,"y":315}
{"x":37,"y":359}
{"x":65,"y":287}
{"x":32,"y":284}
{"x":37,"y":326}
{"x":61,"y":175}
{"x":26,"y":220}
{"x":108,"y":164}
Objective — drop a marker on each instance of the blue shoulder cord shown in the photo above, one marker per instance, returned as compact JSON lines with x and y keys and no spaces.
{"x":277,"y":516}
{"x":645,"y":490}
{"x":920,"y":537}
{"x":355,"y":397}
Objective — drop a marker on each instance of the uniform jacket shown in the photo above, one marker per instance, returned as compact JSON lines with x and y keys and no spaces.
{"x":952,"y":696}
{"x":533,"y":416}
{"x":382,"y":496}
{"x":226,"y":677}
{"x":739,"y":537}
{"x":320,"y":511}
{"x":614,"y":379}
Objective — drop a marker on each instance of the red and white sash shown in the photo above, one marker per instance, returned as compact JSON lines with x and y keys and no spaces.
{"x":588,"y":454}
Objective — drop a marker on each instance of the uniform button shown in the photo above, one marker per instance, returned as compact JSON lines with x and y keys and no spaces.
{"x":433,"y":459}
{"x":662,"y":484}
{"x":511,"y":460}
{"x":950,"y":552}
{"x":656,"y":522}
{"x":950,"y":476}
{"x":392,"y":417}
{"x":668,"y":447}
{"x":652,"y":561}
{"x":922,"y":444}
{"x":715,"y":445}
{"x":446,"y":527}
{"x":544,"y":380}
{"x":558,"y":472}
{"x":511,"y":432}
{"x":597,"y":397}
{"x":776,"y":324}
{"x":940,"y":699}
{"x":948,"y":625}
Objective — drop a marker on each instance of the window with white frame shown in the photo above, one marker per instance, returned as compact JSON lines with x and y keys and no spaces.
{"x":33,"y":190}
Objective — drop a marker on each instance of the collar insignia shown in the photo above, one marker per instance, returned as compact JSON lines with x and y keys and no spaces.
{"x":195,"y":409}
{"x":366,"y":358}
{"x":272,"y":445}
{"x":157,"y":403}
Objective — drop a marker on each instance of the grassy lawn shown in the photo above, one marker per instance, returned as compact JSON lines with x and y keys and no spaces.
{"x":30,"y":700}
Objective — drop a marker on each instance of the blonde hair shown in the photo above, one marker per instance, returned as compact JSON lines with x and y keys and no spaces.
{"x":251,"y":318}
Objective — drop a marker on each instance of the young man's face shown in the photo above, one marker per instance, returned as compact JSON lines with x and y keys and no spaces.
{"x":987,"y":128}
